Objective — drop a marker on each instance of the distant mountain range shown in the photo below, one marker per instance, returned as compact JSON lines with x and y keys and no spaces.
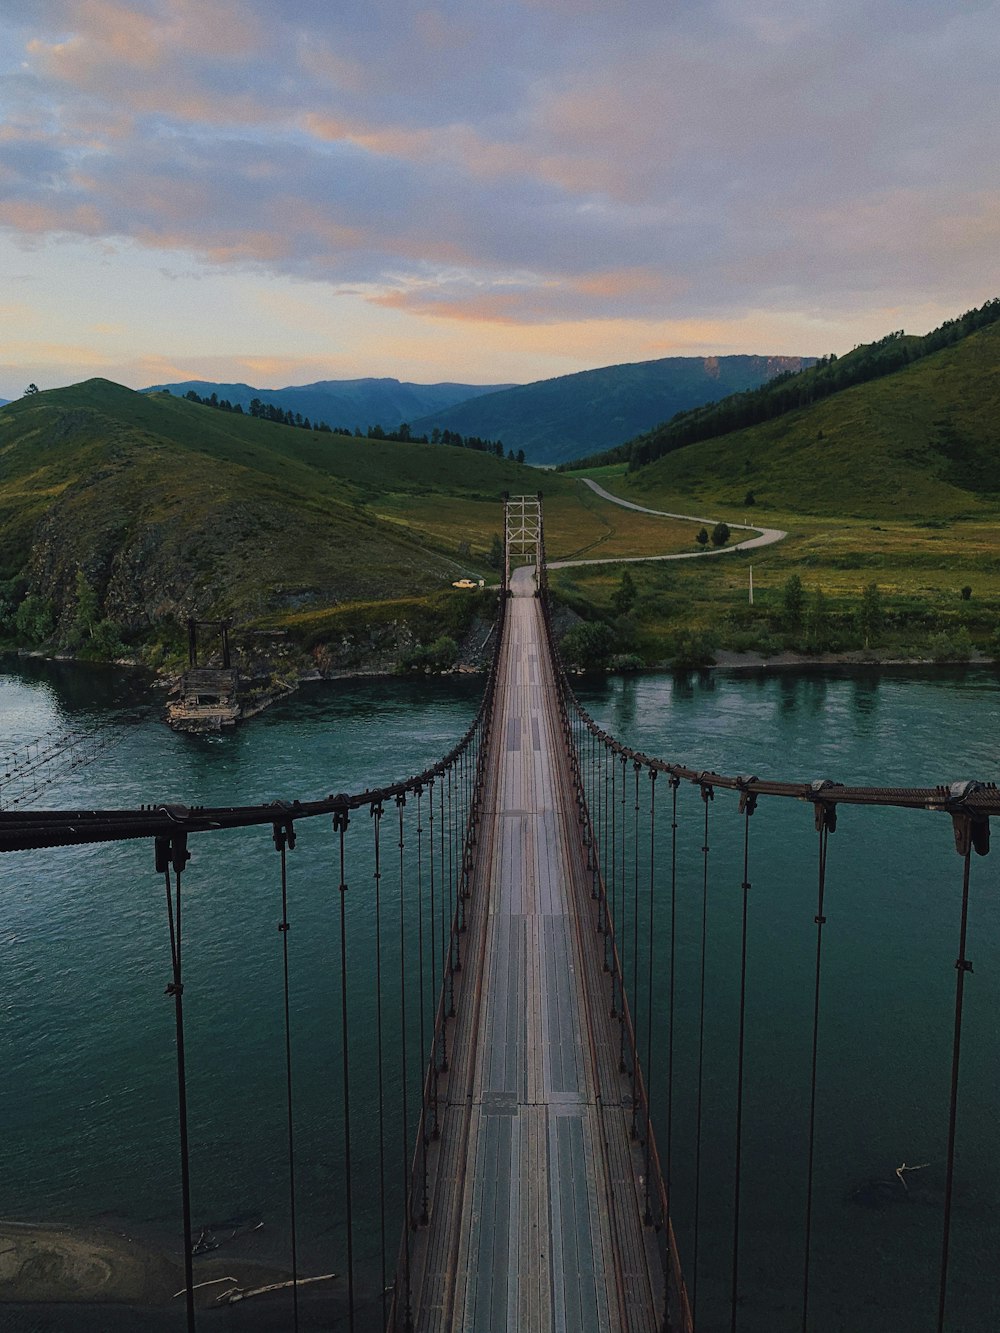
{"x":552,"y":420}
{"x":560,"y":419}
{"x":344,"y":403}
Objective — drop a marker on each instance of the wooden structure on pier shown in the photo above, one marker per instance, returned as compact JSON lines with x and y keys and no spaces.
{"x":208,"y":696}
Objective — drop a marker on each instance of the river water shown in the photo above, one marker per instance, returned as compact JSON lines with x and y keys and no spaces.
{"x":87,"y":1109}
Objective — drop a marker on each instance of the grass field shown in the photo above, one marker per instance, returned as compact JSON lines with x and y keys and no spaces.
{"x":920,"y":569}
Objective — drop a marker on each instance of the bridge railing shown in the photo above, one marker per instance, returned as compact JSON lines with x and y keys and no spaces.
{"x":632,"y":851}
{"x":396,"y":962}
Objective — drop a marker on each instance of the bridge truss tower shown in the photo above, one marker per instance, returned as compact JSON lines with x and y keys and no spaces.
{"x":524,"y":537}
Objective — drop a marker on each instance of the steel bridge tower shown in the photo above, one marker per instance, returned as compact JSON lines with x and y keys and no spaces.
{"x":524,"y":537}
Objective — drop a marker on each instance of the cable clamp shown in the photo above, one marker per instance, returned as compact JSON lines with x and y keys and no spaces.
{"x":826,"y":813}
{"x":820,"y":920}
{"x":963,"y":964}
{"x":748,"y":799}
{"x":175,"y":988}
{"x":341,"y":816}
{"x":972,"y":831}
{"x":283,"y":927}
{"x":170,"y":850}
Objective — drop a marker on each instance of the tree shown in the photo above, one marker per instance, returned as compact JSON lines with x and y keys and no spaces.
{"x":749,"y":498}
{"x":871,"y":615}
{"x":702,"y":537}
{"x":34,"y":620}
{"x":495,"y":557}
{"x":588,"y":645}
{"x":817,"y":627}
{"x":88,"y":611}
{"x":792,"y":601}
{"x":520,"y":455}
{"x":720,"y":534}
{"x":107,"y":641}
{"x":32,"y":388}
{"x":623,"y":597}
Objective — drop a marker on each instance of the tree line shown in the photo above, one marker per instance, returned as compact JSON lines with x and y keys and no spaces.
{"x":401,"y":434}
{"x":260,"y":411}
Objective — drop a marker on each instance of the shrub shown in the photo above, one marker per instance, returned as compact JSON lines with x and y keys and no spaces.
{"x":955,"y":647}
{"x":588,"y":645}
{"x":720,"y":534}
{"x":432,"y":657}
{"x":692,"y":648}
{"x":34,"y":619}
{"x":626,"y":662}
{"x":106,"y":640}
{"x":702,"y":537}
{"x":966,"y":593}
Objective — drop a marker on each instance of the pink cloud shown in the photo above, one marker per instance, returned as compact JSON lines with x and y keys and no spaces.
{"x":36,"y":218}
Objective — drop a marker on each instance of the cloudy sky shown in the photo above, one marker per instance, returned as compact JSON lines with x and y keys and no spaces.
{"x":484,"y":190}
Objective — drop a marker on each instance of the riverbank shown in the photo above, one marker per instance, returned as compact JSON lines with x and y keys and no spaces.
{"x":51,"y":1263}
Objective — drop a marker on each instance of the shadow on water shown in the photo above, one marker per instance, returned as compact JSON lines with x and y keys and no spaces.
{"x":86,"y":687}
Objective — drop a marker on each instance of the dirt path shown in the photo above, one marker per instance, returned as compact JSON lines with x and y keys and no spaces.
{"x":764,"y":537}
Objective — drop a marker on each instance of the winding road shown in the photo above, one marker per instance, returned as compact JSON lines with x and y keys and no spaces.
{"x":765,"y":536}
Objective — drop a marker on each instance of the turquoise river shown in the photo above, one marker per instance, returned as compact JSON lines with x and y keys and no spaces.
{"x":87,"y":1097}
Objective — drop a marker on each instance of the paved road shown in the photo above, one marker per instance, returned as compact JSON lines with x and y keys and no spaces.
{"x":765,"y":536}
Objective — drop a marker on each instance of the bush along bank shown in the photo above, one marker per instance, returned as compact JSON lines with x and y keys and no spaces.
{"x":637,"y":621}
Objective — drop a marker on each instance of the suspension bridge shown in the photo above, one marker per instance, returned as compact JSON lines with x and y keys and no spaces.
{"x":513,"y":1122}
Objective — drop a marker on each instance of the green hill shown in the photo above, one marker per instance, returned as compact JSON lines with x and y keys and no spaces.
{"x":169,"y":509}
{"x":564,"y":418}
{"x":921,"y":442}
{"x":134,"y":511}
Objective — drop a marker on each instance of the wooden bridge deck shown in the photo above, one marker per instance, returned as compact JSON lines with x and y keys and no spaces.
{"x":536,"y":1210}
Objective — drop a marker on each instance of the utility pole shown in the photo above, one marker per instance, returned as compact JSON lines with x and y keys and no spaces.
{"x":751,"y":585}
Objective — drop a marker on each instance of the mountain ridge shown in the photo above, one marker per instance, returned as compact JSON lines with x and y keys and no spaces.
{"x":348,"y":404}
{"x":569,"y":416}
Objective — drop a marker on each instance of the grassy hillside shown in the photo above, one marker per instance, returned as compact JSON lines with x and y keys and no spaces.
{"x":794,"y":390}
{"x":565,"y":418}
{"x":921,"y":443}
{"x":165,"y":508}
{"x":892,"y":484}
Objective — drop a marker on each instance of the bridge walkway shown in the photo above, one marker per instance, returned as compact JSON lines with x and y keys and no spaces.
{"x":536,"y":1208}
